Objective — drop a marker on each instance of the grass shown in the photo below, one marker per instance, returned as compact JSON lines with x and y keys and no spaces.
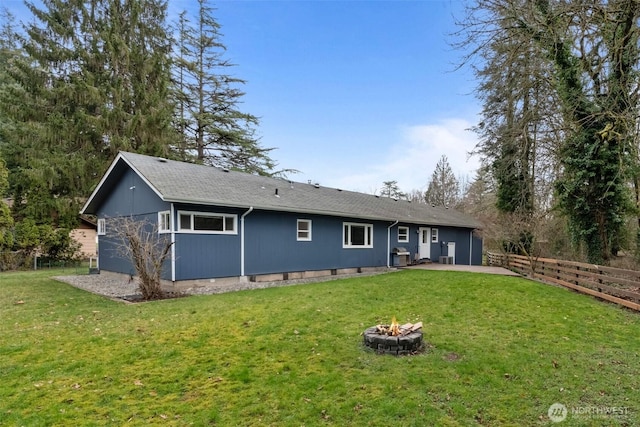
{"x":501,"y":351}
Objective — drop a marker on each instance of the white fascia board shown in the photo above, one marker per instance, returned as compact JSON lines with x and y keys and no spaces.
{"x":101,"y":183}
{"x":407,"y":220}
{"x":145,"y":180}
{"x":313,"y":212}
{"x":274,"y":209}
{"x":108,"y":173}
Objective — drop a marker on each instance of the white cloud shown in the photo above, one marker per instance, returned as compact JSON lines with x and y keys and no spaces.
{"x":413,"y":158}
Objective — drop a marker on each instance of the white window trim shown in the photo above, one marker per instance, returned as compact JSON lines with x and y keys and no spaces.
{"x":102,"y":227}
{"x":434,"y":235}
{"x":160,"y":222}
{"x":209,"y":214}
{"x":348,"y":244}
{"x":406,"y":234}
{"x":308,"y":230}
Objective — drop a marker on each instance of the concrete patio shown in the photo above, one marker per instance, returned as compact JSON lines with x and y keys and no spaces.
{"x":470,"y":268}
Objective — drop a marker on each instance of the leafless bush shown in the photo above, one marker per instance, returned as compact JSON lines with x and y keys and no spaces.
{"x":140,"y":242}
{"x":516,"y":233}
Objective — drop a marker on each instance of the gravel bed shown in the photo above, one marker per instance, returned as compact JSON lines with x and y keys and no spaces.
{"x":109,"y":286}
{"x":122,"y":288}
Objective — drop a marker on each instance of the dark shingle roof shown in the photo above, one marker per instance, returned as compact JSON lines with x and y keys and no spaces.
{"x":183,"y":182}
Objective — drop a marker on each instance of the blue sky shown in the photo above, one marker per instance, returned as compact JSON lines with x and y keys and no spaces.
{"x":351,"y":93}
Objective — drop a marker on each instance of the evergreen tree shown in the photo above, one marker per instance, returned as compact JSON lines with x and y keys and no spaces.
{"x":443,"y":189}
{"x":390,"y":189}
{"x":6,"y":220}
{"x":93,"y":79}
{"x":138,"y":77}
{"x":215,"y":131}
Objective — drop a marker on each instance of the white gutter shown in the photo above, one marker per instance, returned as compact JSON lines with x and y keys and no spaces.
{"x":389,"y":242}
{"x":242,"y":240}
{"x":172,"y":227}
{"x":408,"y":219}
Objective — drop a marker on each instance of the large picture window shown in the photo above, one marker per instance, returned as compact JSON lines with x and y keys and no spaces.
{"x":201,"y":222}
{"x":357,"y":235}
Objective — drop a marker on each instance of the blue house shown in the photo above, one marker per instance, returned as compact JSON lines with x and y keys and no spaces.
{"x":227,"y":224}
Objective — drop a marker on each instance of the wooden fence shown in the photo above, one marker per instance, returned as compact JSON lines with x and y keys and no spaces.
{"x":612,"y":284}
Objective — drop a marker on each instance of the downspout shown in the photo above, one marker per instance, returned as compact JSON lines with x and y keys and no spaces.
{"x":242,"y":240}
{"x":172,"y":227}
{"x":389,"y":243}
{"x":470,"y":247}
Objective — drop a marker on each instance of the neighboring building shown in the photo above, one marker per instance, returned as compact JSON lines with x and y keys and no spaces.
{"x":232,"y":224}
{"x":86,"y":235}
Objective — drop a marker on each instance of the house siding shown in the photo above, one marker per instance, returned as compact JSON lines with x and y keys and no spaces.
{"x":207,"y":255}
{"x":131,"y":197}
{"x":202,"y":256}
{"x":272,"y":245}
{"x":476,"y":250}
{"x":461,"y":238}
{"x":110,"y":250}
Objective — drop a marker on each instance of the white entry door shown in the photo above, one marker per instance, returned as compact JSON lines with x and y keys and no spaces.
{"x":451,"y":251}
{"x":424,"y":242}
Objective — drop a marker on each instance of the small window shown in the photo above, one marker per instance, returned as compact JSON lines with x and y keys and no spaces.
{"x":304,"y":230}
{"x":230,"y":223}
{"x":102,"y":227}
{"x":206,"y":222}
{"x":357,"y":235}
{"x":164,"y":222}
{"x":185,"y":222}
{"x":434,"y":235}
{"x":403,"y":234}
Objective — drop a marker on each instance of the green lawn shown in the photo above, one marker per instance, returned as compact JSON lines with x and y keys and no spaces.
{"x":501,"y":351}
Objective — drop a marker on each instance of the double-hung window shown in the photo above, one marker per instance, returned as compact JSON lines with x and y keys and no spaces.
{"x":434,"y":235}
{"x":403,"y":234}
{"x":204,"y":222}
{"x":164,"y":222}
{"x":357,"y":235}
{"x":304,"y":230}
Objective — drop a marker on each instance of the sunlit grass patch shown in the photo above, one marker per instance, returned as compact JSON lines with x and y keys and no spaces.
{"x":501,"y":350}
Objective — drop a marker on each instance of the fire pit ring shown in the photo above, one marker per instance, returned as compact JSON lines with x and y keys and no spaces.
{"x":410,"y":343}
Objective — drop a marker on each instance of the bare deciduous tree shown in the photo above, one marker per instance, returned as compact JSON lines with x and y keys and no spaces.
{"x":559,"y":86}
{"x":139,"y":242}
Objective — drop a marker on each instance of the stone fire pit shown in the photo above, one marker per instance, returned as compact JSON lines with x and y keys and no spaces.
{"x":394,"y":339}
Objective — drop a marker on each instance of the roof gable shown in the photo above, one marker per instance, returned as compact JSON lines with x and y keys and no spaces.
{"x":181,"y":182}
